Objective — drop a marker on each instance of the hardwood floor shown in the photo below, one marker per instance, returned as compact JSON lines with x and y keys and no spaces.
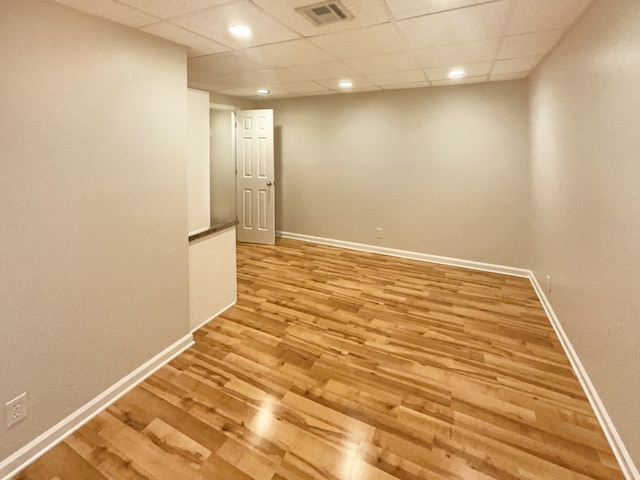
{"x":338,"y":364}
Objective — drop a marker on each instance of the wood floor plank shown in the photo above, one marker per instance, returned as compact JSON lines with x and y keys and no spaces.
{"x":345,"y":365}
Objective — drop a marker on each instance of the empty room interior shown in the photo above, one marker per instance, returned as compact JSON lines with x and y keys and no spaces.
{"x":299,"y":239}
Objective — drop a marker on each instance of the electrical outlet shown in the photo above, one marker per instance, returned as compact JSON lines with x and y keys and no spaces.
{"x":548,"y":283}
{"x":16,"y":410}
{"x":378,"y":233}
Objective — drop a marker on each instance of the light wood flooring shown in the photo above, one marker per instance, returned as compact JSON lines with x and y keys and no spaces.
{"x":338,"y":364}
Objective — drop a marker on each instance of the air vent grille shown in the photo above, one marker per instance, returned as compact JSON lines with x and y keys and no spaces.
{"x":325,"y":13}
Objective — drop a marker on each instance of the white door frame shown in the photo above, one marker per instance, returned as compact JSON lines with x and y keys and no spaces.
{"x":255,"y":176}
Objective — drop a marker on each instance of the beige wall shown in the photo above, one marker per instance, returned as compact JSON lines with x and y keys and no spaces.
{"x":212,"y":276}
{"x":198,"y":160}
{"x":223,"y":166}
{"x":93,"y":207}
{"x":443,"y":171}
{"x":585,"y":121}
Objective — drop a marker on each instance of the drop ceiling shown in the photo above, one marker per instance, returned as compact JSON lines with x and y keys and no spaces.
{"x":388,"y":44}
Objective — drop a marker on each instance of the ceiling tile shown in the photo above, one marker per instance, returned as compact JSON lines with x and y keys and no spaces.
{"x":472,"y":70}
{"x":459,"y":81}
{"x":537,"y":43}
{"x":512,"y":65}
{"x":390,"y":62}
{"x":268,"y":77}
{"x":112,"y":10}
{"x":198,"y":45}
{"x":402,"y":86}
{"x":365,"y":13}
{"x":358,"y":83}
{"x":172,"y":8}
{"x":359,"y":43}
{"x":227,"y":82}
{"x":401,"y":9}
{"x":373,"y":88}
{"x":288,"y":88}
{"x":497,"y":77}
{"x":396,"y":78}
{"x":389,"y":43}
{"x":222,"y":64}
{"x":535,"y":15}
{"x":238,"y":93}
{"x":304,"y":87}
{"x":288,"y":54}
{"x":215,"y":22}
{"x":469,"y":24}
{"x":263,"y":79}
{"x":473,"y":52}
{"x":319,"y":71}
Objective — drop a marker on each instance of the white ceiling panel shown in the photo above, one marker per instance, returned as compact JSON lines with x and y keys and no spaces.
{"x":458,"y":81}
{"x":358,"y":83}
{"x":320,"y":71}
{"x":398,"y":78}
{"x":304,"y":87}
{"x":373,"y":88}
{"x":112,"y":10}
{"x":268,"y":77}
{"x":365,"y":13}
{"x":359,"y":43}
{"x":221,"y":64}
{"x":499,"y":77}
{"x":401,"y":9}
{"x":390,"y":62}
{"x":238,"y":92}
{"x":289,"y":54}
{"x":474,"y":52}
{"x":214,"y":23}
{"x":198,"y":45}
{"x":536,"y":15}
{"x":473,"y":70}
{"x":402,"y":86}
{"x":528,"y":44}
{"x":515,"y":65}
{"x":171,"y":8}
{"x":263,"y":79}
{"x":287,"y":88}
{"x":480,"y":22}
{"x":388,"y":44}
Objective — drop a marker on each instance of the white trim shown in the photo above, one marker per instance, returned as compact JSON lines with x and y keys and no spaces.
{"x":621,"y":453}
{"x":423,"y":257}
{"x":45,"y":442}
{"x":619,"y":450}
{"x":220,"y":312}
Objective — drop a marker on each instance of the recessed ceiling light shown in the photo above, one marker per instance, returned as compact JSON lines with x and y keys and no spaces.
{"x":457,"y":73}
{"x":263,"y":91}
{"x":240,"y":30}
{"x":346,"y":84}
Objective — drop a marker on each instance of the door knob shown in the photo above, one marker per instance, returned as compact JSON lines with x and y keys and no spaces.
{"x":269,"y":183}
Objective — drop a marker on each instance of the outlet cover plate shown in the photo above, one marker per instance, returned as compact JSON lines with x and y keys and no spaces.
{"x":16,"y":410}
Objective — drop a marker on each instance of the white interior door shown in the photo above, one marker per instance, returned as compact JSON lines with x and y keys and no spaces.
{"x":254,"y":161}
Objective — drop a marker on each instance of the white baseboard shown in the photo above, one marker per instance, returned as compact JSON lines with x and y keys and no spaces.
{"x":220,"y":312}
{"x":45,"y":442}
{"x":455,"y":262}
{"x":620,"y":451}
